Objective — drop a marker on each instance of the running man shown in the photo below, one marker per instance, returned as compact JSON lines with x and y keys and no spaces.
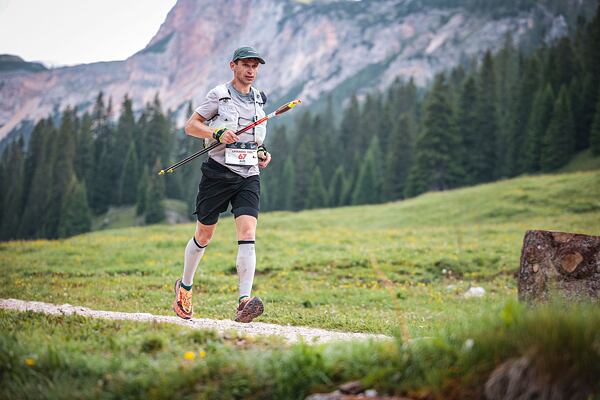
{"x":229,"y":176}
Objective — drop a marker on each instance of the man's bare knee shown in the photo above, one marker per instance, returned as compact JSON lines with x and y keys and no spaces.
{"x":248,"y":233}
{"x":246,"y":227}
{"x":204,"y":234}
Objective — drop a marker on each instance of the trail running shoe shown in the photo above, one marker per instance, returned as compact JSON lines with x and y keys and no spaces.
{"x":249,"y":308}
{"x":182,"y":305}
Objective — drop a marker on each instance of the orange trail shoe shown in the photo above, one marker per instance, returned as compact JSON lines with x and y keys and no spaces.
{"x":249,"y":308}
{"x":182,"y":305}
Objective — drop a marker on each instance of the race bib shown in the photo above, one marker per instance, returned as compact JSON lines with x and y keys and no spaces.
{"x":241,"y":153}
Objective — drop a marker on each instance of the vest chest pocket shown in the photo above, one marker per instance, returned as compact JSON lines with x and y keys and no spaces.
{"x":228,"y":113}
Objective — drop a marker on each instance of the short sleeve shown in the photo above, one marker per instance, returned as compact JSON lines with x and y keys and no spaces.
{"x":209,"y":106}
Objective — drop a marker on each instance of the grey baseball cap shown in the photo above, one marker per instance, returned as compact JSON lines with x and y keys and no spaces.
{"x":247,"y":52}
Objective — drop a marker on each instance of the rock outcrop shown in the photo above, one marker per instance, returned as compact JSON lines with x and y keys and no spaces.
{"x":559,"y":264}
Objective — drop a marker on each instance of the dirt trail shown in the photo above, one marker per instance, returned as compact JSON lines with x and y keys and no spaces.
{"x":291,"y":334}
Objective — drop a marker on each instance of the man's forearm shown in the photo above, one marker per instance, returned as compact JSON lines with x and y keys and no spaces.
{"x":198,"y":129}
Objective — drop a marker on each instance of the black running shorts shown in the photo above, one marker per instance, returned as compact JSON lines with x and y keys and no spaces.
{"x":219,"y":187}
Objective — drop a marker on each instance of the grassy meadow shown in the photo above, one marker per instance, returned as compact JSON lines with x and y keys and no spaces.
{"x":365,"y":269}
{"x":352,"y":269}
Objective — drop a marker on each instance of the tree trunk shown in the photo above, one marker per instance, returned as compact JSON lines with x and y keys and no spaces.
{"x":559,"y":263}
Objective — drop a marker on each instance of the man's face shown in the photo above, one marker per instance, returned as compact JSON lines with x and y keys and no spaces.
{"x":245,"y":70}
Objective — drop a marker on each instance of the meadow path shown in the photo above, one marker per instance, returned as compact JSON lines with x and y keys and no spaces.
{"x":291,"y":334}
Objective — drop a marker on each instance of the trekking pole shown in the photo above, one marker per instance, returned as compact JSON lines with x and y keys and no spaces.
{"x":279,"y":111}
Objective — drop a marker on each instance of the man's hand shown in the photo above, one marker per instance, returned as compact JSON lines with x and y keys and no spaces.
{"x":225,"y":136}
{"x":263,"y":162}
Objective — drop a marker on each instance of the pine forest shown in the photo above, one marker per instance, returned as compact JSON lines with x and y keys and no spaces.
{"x":510,"y":113}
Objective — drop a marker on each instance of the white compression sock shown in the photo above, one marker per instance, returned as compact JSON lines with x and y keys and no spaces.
{"x":246,"y":265}
{"x":193,"y":254}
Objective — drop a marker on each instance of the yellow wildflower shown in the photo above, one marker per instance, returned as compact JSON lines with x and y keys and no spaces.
{"x":189,"y":355}
{"x":30,"y":362}
{"x":202,"y":353}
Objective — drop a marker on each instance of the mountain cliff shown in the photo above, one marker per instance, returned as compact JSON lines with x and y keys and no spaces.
{"x":311,"y":48}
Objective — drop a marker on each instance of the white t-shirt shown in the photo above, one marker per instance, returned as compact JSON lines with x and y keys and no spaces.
{"x":245,"y":106}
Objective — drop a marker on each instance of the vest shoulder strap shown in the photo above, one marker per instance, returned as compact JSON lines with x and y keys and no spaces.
{"x":259,"y":96}
{"x":222,"y":92}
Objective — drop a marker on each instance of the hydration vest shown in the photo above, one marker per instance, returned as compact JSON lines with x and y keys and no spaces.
{"x":227,"y":115}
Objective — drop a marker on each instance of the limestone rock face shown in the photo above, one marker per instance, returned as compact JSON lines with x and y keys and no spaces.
{"x":311,"y":48}
{"x":561,"y":264}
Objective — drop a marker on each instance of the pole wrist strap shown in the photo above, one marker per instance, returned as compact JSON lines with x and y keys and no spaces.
{"x":218,"y":134}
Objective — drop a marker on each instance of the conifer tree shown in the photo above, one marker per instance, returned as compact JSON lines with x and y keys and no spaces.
{"x":317,"y":195}
{"x":75,"y":214}
{"x":173,"y":186}
{"x":157,"y":134}
{"x":560,"y":64}
{"x":63,"y":169}
{"x":155,"y":194}
{"x":437,"y":164}
{"x":541,"y":112}
{"x":101,"y":186}
{"x":119,"y":155}
{"x":336,"y":187}
{"x":182,"y":144}
{"x":305,"y":164}
{"x":388,"y":122}
{"x":349,"y":135}
{"x":32,"y":157}
{"x":520,"y":115}
{"x":369,"y":123}
{"x":129,"y":178}
{"x":576,"y":99}
{"x":398,"y":159}
{"x":488,"y":146}
{"x":418,"y":180}
{"x":288,"y":184}
{"x":277,"y":143}
{"x":142,"y":189}
{"x":368,"y":188}
{"x":140,"y":133}
{"x":173,"y":182}
{"x":589,"y":53}
{"x":190,"y":176}
{"x":456,"y":79}
{"x":104,"y":186}
{"x":13,"y":206}
{"x":327,"y":133}
{"x":468,"y":129}
{"x":3,"y":184}
{"x":350,"y":181}
{"x":32,"y":225}
{"x":403,"y":98}
{"x":558,"y":142}
{"x":595,"y":131}
{"x":506,"y":72}
{"x":265,"y":195}
{"x":84,"y":158}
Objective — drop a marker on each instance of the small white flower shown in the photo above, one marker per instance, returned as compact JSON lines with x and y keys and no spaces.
{"x":468,"y":345}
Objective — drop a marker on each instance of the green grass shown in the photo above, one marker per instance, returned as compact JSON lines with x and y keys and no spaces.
{"x":75,"y":357}
{"x":352,"y":269}
{"x":584,"y":161}
{"x":361,"y":269}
